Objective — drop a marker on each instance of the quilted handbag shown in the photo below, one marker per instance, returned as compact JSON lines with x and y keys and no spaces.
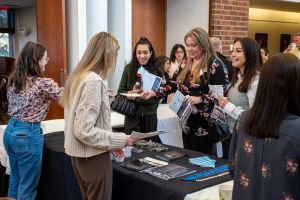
{"x":123,"y":105}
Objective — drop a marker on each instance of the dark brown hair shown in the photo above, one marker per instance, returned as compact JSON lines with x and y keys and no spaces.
{"x":27,"y":65}
{"x":278,"y":92}
{"x":174,"y":50}
{"x":253,"y":63}
{"x":160,"y":63}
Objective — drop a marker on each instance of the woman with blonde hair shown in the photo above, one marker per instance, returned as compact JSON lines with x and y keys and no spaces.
{"x":88,"y":132}
{"x":203,"y":68}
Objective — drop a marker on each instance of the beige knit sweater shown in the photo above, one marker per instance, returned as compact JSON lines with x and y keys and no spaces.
{"x":87,"y":122}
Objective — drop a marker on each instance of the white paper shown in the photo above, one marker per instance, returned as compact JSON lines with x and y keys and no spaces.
{"x":131,"y":94}
{"x":180,"y":107}
{"x":177,"y":101}
{"x":216,"y":90}
{"x":139,"y":135}
{"x":150,"y":81}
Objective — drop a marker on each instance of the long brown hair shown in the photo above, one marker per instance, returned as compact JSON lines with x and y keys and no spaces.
{"x":201,"y":37}
{"x":278,"y":92}
{"x":100,"y":57}
{"x":253,"y":63}
{"x":27,"y":65}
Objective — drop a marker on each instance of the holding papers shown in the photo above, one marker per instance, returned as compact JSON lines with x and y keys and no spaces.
{"x":150,"y":81}
{"x":180,"y":107}
{"x":139,"y":135}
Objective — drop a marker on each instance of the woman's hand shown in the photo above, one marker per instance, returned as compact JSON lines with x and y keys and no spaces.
{"x":130,"y":141}
{"x":110,"y":93}
{"x":148,"y":94}
{"x":193,"y":100}
{"x":118,"y":153}
{"x":222,"y":101}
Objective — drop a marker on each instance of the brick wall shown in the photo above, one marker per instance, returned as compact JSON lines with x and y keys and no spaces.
{"x":228,"y":20}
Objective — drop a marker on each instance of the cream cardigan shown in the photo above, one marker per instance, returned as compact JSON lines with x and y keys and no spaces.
{"x":87,"y":122}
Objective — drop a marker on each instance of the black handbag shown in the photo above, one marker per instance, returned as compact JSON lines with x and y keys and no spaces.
{"x":123,"y":105}
{"x":217,"y":131}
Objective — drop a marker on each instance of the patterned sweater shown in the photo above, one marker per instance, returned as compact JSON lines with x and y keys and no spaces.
{"x":87,"y":122}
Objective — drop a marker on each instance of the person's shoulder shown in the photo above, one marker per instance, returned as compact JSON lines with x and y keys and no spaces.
{"x":92,"y":76}
{"x":43,"y":81}
{"x":292,"y":124}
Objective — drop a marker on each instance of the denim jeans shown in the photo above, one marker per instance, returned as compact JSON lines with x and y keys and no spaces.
{"x":23,"y":142}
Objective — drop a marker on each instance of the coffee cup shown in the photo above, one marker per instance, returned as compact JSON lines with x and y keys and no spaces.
{"x":119,"y":159}
{"x":293,"y":45}
{"x":225,"y":192}
{"x":127,"y":151}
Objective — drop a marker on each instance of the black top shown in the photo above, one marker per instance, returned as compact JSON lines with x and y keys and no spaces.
{"x":266,"y":168}
{"x":227,"y":63}
{"x":129,"y":78}
{"x":217,"y":75}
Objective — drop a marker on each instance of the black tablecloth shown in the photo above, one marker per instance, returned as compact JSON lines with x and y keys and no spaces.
{"x":58,"y":180}
{"x":130,"y":185}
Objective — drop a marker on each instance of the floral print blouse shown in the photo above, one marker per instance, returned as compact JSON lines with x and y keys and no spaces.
{"x":216,"y":75}
{"x":266,"y":168}
{"x":32,"y":103}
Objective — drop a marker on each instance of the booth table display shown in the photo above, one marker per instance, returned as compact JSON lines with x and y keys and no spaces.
{"x":58,"y":180}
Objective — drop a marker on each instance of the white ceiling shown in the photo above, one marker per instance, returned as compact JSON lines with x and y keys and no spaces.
{"x":283,"y":5}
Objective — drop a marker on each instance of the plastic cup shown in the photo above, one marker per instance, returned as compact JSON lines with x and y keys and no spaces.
{"x":127,"y":151}
{"x":119,"y":159}
{"x":225,"y":192}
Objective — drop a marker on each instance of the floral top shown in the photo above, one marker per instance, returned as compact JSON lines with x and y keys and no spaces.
{"x":32,"y":103}
{"x":266,"y":168}
{"x":217,"y":75}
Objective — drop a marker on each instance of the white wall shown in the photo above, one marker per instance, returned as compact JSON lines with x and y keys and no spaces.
{"x":182,"y":16}
{"x":273,"y":23}
{"x":83,"y":19}
{"x":76,"y":31}
{"x":24,"y":18}
{"x":119,"y":24}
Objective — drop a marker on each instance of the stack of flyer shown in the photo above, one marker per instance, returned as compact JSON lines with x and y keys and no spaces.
{"x":180,"y":107}
{"x":170,"y":171}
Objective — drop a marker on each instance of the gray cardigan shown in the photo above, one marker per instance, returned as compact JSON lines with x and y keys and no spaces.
{"x":87,"y":122}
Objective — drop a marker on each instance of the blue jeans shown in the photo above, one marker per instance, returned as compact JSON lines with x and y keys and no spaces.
{"x":23,"y":142}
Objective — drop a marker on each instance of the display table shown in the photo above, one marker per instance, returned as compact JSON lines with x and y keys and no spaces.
{"x":58,"y":180}
{"x":167,"y":121}
{"x":127,"y":184}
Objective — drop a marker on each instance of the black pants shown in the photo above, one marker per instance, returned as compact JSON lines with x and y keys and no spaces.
{"x":143,"y":124}
{"x":197,"y":143}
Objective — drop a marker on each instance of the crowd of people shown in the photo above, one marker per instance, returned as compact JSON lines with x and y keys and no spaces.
{"x":261,"y":100}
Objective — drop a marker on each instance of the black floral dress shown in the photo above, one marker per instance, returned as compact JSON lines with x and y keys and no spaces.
{"x":266,"y":168}
{"x":195,"y":130}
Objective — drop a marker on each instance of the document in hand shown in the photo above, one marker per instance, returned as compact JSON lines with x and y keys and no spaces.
{"x":150,"y":81}
{"x":180,"y":107}
{"x":139,"y":135}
